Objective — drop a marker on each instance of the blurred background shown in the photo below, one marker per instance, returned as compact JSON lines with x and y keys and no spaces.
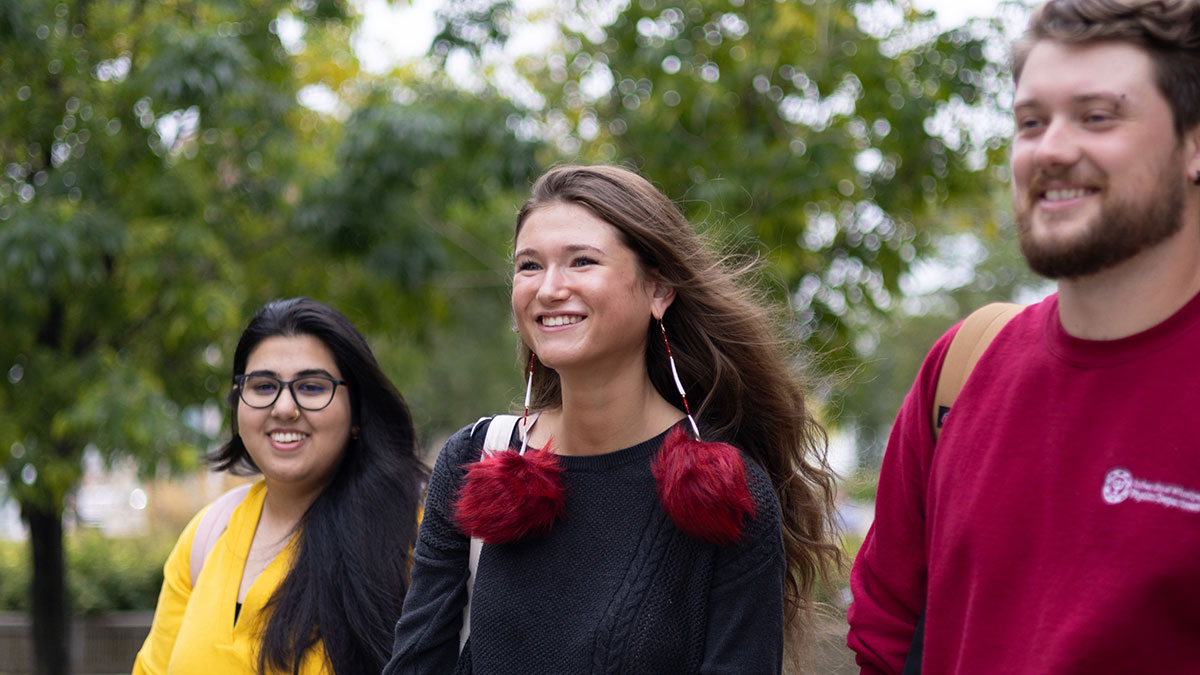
{"x":167,"y":166}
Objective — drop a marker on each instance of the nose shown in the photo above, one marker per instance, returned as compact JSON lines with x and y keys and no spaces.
{"x":1057,"y":145}
{"x":554,"y":285}
{"x":285,"y":405}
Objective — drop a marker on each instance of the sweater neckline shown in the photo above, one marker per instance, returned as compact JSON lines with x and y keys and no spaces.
{"x":642,"y":451}
{"x":1108,"y":353}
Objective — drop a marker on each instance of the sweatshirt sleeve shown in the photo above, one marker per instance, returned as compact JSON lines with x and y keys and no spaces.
{"x":155,"y":653}
{"x":888,"y":578}
{"x":426,"y":638}
{"x":744,"y":635}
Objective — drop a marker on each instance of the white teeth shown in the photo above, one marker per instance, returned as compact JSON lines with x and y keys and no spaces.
{"x":287,"y":436}
{"x":552,"y":321}
{"x":1059,"y":195}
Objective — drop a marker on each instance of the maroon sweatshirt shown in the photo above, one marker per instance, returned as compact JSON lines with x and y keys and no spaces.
{"x":1056,"y":527}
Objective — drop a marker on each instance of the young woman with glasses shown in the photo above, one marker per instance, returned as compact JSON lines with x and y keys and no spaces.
{"x":309,"y":569}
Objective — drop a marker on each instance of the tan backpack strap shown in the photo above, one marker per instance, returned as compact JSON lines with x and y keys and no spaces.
{"x":212,"y":525}
{"x":969,"y":343}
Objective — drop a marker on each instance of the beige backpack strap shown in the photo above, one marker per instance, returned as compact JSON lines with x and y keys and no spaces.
{"x":212,"y":525}
{"x":969,"y":343}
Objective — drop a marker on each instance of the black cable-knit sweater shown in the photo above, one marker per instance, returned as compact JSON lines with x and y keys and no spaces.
{"x":614,"y":587}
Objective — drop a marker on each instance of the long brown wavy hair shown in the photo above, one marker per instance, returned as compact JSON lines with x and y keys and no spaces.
{"x":732,"y":359}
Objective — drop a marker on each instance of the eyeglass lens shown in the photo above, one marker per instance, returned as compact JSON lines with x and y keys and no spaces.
{"x":311,"y":393}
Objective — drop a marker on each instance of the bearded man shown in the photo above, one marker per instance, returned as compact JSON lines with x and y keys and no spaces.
{"x":1054,"y":525}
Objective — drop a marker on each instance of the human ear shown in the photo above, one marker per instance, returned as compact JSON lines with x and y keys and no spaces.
{"x":1191,"y":146}
{"x":662,"y":295}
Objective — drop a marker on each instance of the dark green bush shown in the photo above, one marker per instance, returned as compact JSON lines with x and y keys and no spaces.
{"x":103,"y":574}
{"x":14,"y":576}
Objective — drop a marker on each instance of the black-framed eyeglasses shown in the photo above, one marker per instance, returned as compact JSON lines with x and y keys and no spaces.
{"x":311,"y":392}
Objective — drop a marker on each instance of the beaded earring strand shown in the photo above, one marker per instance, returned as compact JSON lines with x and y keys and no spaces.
{"x":512,"y":494}
{"x":702,"y":486}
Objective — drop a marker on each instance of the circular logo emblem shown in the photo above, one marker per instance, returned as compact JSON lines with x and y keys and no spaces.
{"x":1117,"y":486}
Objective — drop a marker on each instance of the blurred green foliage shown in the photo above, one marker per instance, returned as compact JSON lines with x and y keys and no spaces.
{"x":860,"y":486}
{"x":790,"y":132}
{"x":14,"y":576}
{"x":105,"y":574}
{"x":893,"y":350}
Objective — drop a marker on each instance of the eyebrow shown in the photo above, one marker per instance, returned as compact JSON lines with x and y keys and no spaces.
{"x":570,"y":248}
{"x":303,"y":373}
{"x":1117,"y":100}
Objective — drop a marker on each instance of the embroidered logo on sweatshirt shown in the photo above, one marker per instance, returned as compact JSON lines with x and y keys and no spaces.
{"x":1121,"y":485}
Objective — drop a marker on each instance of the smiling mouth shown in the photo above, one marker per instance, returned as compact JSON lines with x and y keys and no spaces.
{"x":287,"y":436}
{"x":1063,"y":195}
{"x":554,"y":321}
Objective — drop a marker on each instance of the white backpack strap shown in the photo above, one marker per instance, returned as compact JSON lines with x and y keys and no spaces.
{"x":212,"y":525}
{"x":465,"y":631}
{"x":499,"y":433}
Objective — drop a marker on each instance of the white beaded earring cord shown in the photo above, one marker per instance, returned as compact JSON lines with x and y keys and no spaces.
{"x":678,"y":383}
{"x":525,"y":423}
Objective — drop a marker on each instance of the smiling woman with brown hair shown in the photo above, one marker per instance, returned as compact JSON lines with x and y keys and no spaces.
{"x":622,"y":533}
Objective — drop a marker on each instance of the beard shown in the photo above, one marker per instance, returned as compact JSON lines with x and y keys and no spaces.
{"x":1122,"y":229}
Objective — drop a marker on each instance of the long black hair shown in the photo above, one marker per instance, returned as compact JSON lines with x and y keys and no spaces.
{"x":350,"y":573}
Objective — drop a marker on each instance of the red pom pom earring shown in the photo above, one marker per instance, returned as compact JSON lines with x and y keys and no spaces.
{"x":514,"y":494}
{"x":511,"y":495}
{"x":702,"y":486}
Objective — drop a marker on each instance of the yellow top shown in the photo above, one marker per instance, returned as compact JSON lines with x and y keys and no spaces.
{"x":195,"y":633}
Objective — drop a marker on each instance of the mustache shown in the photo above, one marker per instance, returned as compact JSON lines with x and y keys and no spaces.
{"x":1073,"y":175}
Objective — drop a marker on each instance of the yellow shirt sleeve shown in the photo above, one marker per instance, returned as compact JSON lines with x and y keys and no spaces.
{"x":172,"y":601}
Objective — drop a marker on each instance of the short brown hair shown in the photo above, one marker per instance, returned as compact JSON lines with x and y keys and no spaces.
{"x":1169,"y":31}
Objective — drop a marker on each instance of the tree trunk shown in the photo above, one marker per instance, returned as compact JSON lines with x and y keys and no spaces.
{"x":50,"y":626}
